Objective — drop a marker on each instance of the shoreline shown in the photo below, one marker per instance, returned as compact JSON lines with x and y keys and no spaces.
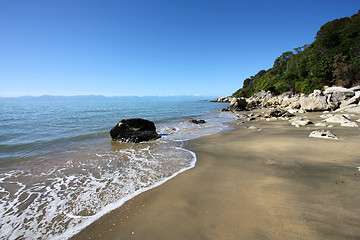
{"x":68,"y":179}
{"x":260,"y":180}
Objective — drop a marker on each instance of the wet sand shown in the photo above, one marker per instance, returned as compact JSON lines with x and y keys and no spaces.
{"x":276,"y":183}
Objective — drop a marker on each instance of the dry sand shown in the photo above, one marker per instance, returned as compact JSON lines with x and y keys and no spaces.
{"x":276,"y":183}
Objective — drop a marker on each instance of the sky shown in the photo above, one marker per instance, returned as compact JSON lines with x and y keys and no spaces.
{"x":150,"y":47}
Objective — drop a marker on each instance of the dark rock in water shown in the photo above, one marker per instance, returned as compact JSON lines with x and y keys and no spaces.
{"x":197,"y":121}
{"x":134,"y":130}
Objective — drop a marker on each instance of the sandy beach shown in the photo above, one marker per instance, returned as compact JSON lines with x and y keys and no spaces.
{"x":270,"y":181}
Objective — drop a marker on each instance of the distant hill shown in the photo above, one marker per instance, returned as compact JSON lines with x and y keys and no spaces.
{"x":56,"y":97}
{"x":101,"y":97}
{"x":332,"y":59}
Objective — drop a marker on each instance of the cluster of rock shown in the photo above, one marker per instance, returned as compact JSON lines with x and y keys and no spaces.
{"x":223,"y":99}
{"x":332,"y":98}
{"x":344,"y":120}
{"x":338,"y":104}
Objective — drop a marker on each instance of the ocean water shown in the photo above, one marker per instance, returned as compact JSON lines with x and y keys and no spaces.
{"x":59,"y":170}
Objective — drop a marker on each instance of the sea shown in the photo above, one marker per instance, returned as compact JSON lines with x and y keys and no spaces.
{"x":60,"y":171}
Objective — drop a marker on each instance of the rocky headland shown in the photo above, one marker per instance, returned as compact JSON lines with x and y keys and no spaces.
{"x":339,"y":105}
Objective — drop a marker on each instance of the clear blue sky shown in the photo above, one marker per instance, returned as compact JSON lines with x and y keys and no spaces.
{"x":150,"y":47}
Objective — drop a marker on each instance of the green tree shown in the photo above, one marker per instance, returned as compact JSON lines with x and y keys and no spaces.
{"x":333,"y":58}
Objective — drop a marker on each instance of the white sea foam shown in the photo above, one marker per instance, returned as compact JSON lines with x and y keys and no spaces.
{"x":57,"y":199}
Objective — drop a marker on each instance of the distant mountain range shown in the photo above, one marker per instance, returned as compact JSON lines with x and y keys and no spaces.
{"x":99,"y":97}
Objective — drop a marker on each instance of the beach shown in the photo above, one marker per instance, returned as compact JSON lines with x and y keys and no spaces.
{"x":179,"y":120}
{"x":258,"y":180}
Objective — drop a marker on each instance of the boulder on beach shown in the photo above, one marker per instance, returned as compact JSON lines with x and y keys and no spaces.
{"x":323,"y":134}
{"x":276,"y":113}
{"x":353,"y":100}
{"x":134,"y":130}
{"x":237,"y":104}
{"x":299,"y":122}
{"x":336,"y":96}
{"x":339,"y":93}
{"x":314,"y":102}
{"x":343,"y":119}
{"x":280,"y":113}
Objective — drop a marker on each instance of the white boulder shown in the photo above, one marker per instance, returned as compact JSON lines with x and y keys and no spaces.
{"x":354,"y":100}
{"x":299,"y":122}
{"x":323,"y":134}
{"x":314,"y":102}
{"x":343,"y":119}
{"x":336,"y":95}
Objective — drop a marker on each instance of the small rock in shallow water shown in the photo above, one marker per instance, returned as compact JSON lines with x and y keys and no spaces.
{"x":197,"y":121}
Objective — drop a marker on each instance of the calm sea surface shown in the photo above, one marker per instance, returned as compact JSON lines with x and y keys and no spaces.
{"x":59,"y":171}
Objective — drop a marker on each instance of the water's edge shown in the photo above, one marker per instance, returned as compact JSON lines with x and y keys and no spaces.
{"x":72,"y":232}
{"x":60,"y":177}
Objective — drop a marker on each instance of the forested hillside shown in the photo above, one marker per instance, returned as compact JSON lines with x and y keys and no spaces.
{"x":332,"y":59}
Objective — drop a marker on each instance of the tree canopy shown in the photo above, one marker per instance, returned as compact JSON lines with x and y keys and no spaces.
{"x":332,"y":59}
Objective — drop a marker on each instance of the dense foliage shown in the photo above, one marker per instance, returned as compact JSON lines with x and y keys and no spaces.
{"x":332,"y":59}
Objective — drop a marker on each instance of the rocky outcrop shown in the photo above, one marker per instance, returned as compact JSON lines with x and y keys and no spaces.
{"x":353,"y":100}
{"x":332,"y":98}
{"x":345,"y":101}
{"x":341,"y":107}
{"x":259,"y":100}
{"x":134,"y":130}
{"x":336,"y":95}
{"x":223,"y":99}
{"x":314,"y":102}
{"x":237,"y":104}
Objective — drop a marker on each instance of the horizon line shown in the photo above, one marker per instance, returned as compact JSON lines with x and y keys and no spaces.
{"x":105,"y":96}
